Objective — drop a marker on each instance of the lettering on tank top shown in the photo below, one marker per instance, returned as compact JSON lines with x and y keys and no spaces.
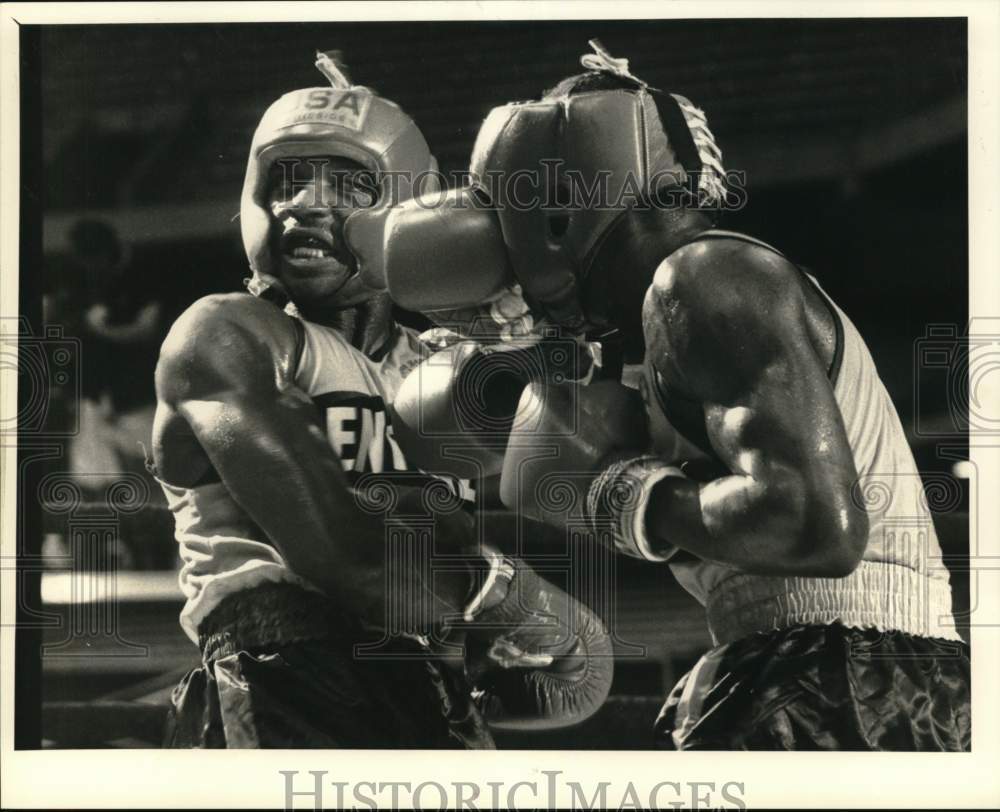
{"x":359,"y":430}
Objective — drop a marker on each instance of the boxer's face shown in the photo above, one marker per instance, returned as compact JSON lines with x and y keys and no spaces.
{"x":309,"y":199}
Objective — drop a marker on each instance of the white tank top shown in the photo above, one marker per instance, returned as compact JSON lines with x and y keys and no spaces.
{"x":901,"y":583}
{"x":221,"y":548}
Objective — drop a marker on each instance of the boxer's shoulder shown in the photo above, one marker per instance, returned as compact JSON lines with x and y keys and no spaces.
{"x":226,"y":308}
{"x":720,"y":309}
{"x":724,"y":289}
{"x":223,"y":336}
{"x":723,"y":274}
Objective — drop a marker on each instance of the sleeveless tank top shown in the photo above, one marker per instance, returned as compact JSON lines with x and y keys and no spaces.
{"x":221,"y":548}
{"x":901,"y":583}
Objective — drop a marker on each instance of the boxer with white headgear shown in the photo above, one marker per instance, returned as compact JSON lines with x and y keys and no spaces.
{"x":274,"y":446}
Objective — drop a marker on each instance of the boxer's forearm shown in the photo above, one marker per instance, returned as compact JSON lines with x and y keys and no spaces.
{"x":742,"y":523}
{"x":224,"y":369}
{"x":281,"y":470}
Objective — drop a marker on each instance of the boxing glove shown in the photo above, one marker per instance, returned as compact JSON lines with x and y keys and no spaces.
{"x":452,"y":414}
{"x":560,"y":437}
{"x":536,"y":657}
{"x":579,"y":455}
{"x":444,"y":251}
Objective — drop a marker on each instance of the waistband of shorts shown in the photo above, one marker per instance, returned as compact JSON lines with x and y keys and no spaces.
{"x":266,"y":615}
{"x":877,"y":595}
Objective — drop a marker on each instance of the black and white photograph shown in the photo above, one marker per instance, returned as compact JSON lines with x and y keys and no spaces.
{"x":615,"y":395}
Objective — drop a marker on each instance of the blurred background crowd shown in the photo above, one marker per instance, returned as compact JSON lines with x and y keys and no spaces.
{"x":852,"y":135}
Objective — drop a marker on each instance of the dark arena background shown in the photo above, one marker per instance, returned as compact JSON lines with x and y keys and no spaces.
{"x":852,"y":135}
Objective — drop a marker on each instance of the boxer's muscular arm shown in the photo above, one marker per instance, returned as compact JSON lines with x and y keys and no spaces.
{"x":726,"y":325}
{"x":225,"y":368}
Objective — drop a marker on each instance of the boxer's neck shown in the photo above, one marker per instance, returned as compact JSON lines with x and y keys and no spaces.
{"x":650,"y":236}
{"x":367,"y":326}
{"x":631,"y":255}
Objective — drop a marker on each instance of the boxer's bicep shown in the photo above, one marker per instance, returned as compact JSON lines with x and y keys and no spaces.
{"x":734,"y":328}
{"x":780,"y":436}
{"x":228,"y":375}
{"x":223,"y":369}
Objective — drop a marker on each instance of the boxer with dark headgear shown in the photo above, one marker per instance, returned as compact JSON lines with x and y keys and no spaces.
{"x":274,"y":446}
{"x":753,"y":458}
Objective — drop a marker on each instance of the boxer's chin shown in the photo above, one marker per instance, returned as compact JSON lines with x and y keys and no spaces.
{"x":316,"y":281}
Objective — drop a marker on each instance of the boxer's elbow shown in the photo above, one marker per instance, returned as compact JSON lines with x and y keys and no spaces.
{"x":845,"y":538}
{"x":819,"y":535}
{"x":836,"y":535}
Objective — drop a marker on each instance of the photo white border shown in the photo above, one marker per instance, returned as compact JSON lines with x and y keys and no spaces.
{"x":250,"y":779}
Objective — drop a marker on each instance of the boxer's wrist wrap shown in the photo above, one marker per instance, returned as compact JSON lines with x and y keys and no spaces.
{"x":617,"y":501}
{"x":494,"y":587}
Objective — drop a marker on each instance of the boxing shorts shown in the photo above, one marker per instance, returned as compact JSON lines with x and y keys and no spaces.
{"x":823,"y":688}
{"x":279,"y":670}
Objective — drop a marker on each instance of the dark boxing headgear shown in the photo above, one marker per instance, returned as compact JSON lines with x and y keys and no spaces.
{"x":603,"y":133}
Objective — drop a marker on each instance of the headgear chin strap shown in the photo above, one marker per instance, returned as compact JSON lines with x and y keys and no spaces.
{"x":544,"y":161}
{"x":347,"y":121}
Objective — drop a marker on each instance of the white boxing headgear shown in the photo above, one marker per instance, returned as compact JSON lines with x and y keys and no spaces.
{"x":346,"y":121}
